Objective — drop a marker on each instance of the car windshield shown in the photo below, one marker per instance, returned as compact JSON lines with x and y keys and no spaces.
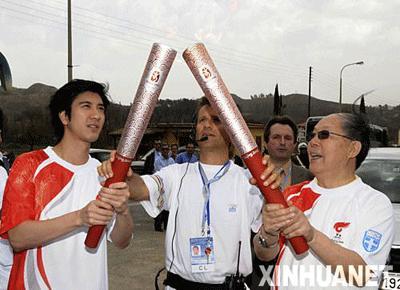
{"x":383,"y":175}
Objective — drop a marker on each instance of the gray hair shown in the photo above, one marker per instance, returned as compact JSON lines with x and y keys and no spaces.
{"x":356,"y":127}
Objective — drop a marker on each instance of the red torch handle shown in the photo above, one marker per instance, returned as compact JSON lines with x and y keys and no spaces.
{"x":254,"y":163}
{"x":120,"y":167}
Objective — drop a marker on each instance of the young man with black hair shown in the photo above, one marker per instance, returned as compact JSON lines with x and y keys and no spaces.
{"x":212,"y":205}
{"x":50,"y":200}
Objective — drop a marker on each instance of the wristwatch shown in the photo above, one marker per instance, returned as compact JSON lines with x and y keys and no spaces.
{"x":264,"y":242}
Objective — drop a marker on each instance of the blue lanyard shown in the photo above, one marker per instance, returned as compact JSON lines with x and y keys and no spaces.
{"x":206,"y":193}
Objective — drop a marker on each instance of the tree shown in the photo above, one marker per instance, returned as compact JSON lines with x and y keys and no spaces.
{"x":362,"y":106}
{"x":277,"y":102}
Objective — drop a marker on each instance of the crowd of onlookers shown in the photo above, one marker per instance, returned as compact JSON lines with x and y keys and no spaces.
{"x":162,"y":156}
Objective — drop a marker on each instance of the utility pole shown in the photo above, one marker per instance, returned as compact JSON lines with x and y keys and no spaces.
{"x":341,"y":81}
{"x":69,"y":42}
{"x":309,"y":92}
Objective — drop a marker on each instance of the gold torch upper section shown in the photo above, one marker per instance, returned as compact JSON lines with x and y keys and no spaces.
{"x":155,"y":73}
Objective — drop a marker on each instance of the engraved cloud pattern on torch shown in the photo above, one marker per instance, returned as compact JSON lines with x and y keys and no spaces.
{"x":206,"y":74}
{"x":157,"y":68}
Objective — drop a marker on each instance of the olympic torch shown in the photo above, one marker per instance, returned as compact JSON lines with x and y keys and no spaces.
{"x":206,"y":74}
{"x":155,"y":73}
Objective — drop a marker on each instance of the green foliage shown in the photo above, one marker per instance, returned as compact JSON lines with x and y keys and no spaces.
{"x":27,"y":122}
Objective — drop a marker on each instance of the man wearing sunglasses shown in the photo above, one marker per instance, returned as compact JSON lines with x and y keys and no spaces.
{"x":347,"y":224}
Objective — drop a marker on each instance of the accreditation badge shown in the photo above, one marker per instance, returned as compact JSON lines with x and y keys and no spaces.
{"x":202,"y":254}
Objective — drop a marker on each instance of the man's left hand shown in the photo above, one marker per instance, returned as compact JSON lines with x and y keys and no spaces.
{"x":298,"y":225}
{"x":116,"y":195}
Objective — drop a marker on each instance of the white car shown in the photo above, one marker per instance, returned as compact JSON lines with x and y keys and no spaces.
{"x":138,"y":165}
{"x":103,"y":154}
{"x":381,"y":170}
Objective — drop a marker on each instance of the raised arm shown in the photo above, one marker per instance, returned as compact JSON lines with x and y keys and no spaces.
{"x":137,"y":188}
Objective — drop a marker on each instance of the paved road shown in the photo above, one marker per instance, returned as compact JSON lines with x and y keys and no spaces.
{"x":136,"y":266}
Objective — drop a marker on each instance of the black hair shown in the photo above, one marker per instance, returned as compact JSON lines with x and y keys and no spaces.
{"x":283,"y":120}
{"x":356,"y":127}
{"x":63,"y":98}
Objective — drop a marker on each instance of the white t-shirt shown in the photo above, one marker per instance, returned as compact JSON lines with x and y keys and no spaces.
{"x":235,"y":208}
{"x":6,"y":255}
{"x":355,"y":216}
{"x":44,"y":186}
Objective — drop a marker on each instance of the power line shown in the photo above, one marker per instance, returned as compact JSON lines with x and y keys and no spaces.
{"x":95,"y":29}
{"x":161,"y":33}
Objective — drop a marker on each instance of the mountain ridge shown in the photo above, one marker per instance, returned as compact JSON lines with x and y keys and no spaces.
{"x":27,"y":119}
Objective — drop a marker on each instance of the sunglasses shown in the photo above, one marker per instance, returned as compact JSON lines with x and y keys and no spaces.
{"x":324,"y":134}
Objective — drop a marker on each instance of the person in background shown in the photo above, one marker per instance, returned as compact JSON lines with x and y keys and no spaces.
{"x":4,"y":161}
{"x":188,"y":155}
{"x":164,"y":160}
{"x":280,"y":137}
{"x":174,"y":151}
{"x":150,"y":161}
{"x":161,"y":162}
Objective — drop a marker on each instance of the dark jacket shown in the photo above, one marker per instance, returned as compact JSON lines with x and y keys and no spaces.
{"x":300,"y":174}
{"x":149,"y":164}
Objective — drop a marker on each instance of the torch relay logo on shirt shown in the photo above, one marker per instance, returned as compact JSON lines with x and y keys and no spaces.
{"x":339,"y":226}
